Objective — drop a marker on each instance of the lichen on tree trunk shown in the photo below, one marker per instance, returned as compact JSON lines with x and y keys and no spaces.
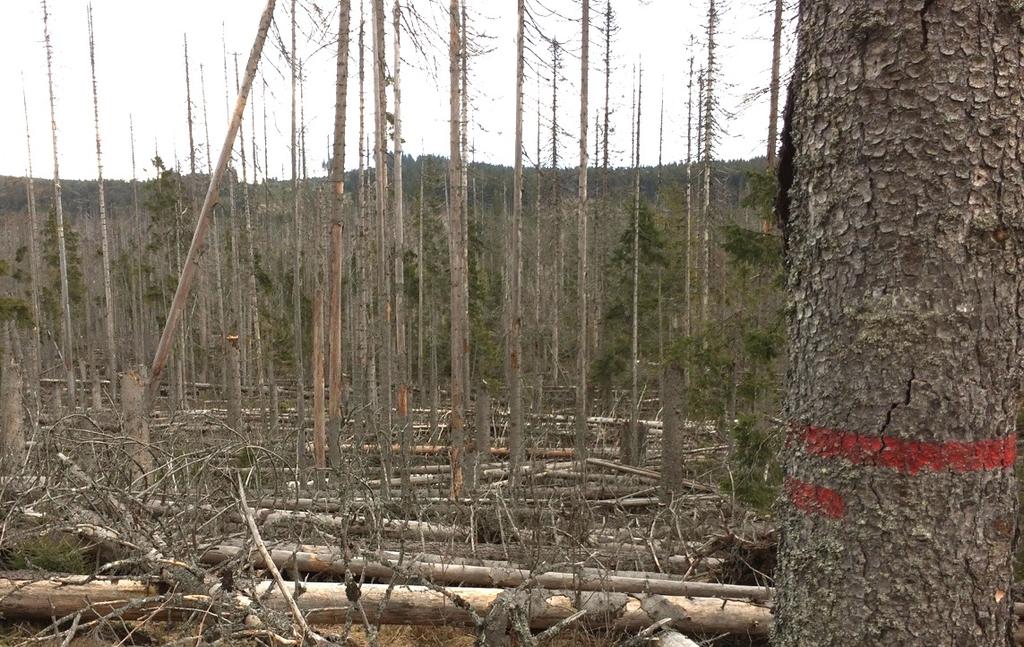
{"x":904,"y":280}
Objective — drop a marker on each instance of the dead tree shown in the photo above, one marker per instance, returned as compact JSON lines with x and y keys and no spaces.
{"x":457,"y":254}
{"x":35,"y":363}
{"x":319,"y":423}
{"x":136,"y":423}
{"x":108,"y":295}
{"x":634,"y":357}
{"x":773,"y":89}
{"x":67,"y":349}
{"x":335,"y":375}
{"x":709,"y":125}
{"x":385,"y":325}
{"x":12,"y":411}
{"x":401,"y":352}
{"x":673,"y":389}
{"x":581,"y":232}
{"x":514,"y":348}
{"x":300,"y":378}
{"x":556,"y":206}
{"x":212,"y":195}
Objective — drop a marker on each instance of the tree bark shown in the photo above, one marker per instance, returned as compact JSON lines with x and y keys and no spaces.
{"x":903,"y":246}
{"x":335,"y":376}
{"x":67,"y":345}
{"x":773,"y":89}
{"x":35,"y":348}
{"x":319,"y":422}
{"x":12,"y":414}
{"x":300,"y":374}
{"x":327,"y":603}
{"x":133,"y":403}
{"x":581,"y":233}
{"x":634,"y":357}
{"x":514,"y":348}
{"x":212,"y":196}
{"x":401,"y":351}
{"x":457,"y":258}
{"x":108,"y":293}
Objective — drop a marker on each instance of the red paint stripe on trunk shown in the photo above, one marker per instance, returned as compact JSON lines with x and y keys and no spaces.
{"x":815,"y":499}
{"x":908,"y":456}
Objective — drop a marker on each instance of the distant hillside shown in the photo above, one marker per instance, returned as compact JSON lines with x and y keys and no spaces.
{"x":488,"y":183}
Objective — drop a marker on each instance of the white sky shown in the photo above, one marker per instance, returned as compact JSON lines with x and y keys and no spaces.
{"x":139,"y":50}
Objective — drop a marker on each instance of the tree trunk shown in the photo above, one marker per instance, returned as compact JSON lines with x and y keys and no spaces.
{"x":335,"y":376}
{"x":581,"y":232}
{"x":401,"y":352}
{"x":233,"y":370}
{"x":300,"y":375}
{"x":708,"y":141}
{"x":514,"y":349}
{"x":773,"y":89}
{"x":35,"y":348}
{"x":136,"y":424}
{"x":675,"y":383}
{"x":108,"y":294}
{"x":319,"y":423}
{"x":902,"y":246}
{"x":12,"y":413}
{"x":634,"y":357}
{"x":212,"y":196}
{"x":67,"y":350}
{"x":457,"y":258}
{"x":327,"y":603}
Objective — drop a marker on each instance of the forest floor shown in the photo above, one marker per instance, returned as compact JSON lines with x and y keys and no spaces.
{"x":80,"y":507}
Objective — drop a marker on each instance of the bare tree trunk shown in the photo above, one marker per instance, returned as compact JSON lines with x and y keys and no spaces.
{"x":464,"y":148}
{"x":234,"y":375}
{"x":514,"y":348}
{"x":538,"y":332}
{"x":457,"y":256}
{"x":709,"y":124}
{"x":773,"y":89}
{"x":335,"y":375}
{"x":367,"y":382}
{"x":384,"y":307}
{"x":140,"y":330}
{"x":300,"y":390}
{"x":108,"y":294}
{"x":253,"y":326}
{"x":482,"y":437}
{"x":675,"y":381}
{"x":67,"y":349}
{"x":401,"y":352}
{"x":12,"y":411}
{"x":634,"y":356}
{"x":136,"y":424}
{"x":319,"y":423}
{"x":556,"y":202}
{"x":222,"y":322}
{"x":420,"y":275}
{"x":212,"y":195}
{"x":581,"y":232}
{"x":35,"y":348}
{"x":900,"y":492}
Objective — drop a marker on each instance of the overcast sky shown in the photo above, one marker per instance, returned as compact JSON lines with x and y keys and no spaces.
{"x":141,"y":74}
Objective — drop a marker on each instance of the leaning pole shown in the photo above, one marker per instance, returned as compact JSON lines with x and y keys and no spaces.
{"x":195,"y":250}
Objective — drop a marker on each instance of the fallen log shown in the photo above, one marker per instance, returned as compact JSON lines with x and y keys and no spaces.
{"x":435,"y":450}
{"x":327,"y":603}
{"x":309,"y":559}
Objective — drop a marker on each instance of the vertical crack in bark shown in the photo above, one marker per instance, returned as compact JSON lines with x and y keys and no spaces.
{"x":907,"y":392}
{"x":925,"y":6}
